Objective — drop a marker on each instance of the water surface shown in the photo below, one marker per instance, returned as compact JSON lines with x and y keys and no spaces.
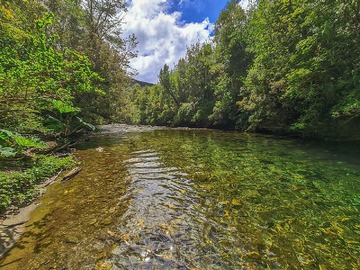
{"x":172,"y":199}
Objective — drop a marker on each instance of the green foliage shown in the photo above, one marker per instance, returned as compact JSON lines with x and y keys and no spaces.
{"x":12,"y":143}
{"x":282,"y":67}
{"x":203,"y":88}
{"x":184,"y":114}
{"x":50,"y":64}
{"x":63,"y":63}
{"x":18,"y":188}
{"x":37,"y":78}
{"x":305,"y":74}
{"x":7,"y":151}
{"x":94,"y":28}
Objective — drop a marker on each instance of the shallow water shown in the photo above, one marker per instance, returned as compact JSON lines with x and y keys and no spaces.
{"x":171,"y":199}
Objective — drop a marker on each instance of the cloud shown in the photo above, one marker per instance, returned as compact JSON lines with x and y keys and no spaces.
{"x":163,"y":37}
{"x":198,"y":5}
{"x":245,"y":4}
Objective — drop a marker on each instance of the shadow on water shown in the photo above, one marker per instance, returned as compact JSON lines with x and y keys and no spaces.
{"x":199,"y":200}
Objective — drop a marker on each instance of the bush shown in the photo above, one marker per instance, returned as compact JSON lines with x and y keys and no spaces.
{"x":18,"y":188}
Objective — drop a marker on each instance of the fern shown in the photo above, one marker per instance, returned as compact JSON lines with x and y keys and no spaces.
{"x":4,"y":135}
{"x":7,"y":152}
{"x":14,"y":139}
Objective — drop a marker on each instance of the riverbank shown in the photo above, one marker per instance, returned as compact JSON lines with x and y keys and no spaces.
{"x":15,"y":215}
{"x":20,"y":189}
{"x":13,"y":221}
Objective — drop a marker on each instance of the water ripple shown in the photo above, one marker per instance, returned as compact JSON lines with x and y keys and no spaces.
{"x":161,"y":221}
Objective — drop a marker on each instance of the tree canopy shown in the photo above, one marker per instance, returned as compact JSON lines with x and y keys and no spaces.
{"x":57,"y":68}
{"x":289,"y":67}
{"x":63,"y":67}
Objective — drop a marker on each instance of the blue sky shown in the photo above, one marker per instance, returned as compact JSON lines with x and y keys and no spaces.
{"x":198,"y":10}
{"x":166,"y":28}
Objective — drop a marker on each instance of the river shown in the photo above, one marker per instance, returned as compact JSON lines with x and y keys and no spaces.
{"x":199,"y":199}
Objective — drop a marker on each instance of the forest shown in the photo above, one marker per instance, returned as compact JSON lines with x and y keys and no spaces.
{"x":281,"y":67}
{"x":63,"y":68}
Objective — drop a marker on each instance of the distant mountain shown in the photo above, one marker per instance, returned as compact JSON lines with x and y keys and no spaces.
{"x":141,"y":83}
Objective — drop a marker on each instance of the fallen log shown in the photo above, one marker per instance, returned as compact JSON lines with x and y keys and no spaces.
{"x":51,"y":180}
{"x":71,"y":174}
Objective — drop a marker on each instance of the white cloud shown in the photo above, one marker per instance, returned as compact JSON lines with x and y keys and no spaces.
{"x":245,"y":4}
{"x":162,"y":36}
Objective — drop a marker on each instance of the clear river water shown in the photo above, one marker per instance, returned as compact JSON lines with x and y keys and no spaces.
{"x":199,"y":199}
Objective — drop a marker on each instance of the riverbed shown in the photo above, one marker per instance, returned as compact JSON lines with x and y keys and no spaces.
{"x":156,"y":198}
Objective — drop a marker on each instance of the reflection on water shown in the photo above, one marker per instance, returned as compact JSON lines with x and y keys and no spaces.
{"x":199,"y":200}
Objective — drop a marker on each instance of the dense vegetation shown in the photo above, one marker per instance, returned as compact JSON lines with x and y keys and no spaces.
{"x":284,"y":66}
{"x":63,"y":66}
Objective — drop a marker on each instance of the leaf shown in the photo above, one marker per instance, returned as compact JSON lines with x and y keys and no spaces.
{"x":64,"y":107}
{"x":16,"y":139}
{"x":7,"y":152}
{"x":90,"y":126}
{"x":3,"y":135}
{"x":28,"y":142}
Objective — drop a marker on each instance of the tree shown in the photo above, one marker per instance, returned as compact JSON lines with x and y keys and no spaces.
{"x":232,"y":62}
{"x":164,"y":78}
{"x":94,"y":28}
{"x":283,"y":66}
{"x":37,"y":79}
{"x":306,"y":62}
